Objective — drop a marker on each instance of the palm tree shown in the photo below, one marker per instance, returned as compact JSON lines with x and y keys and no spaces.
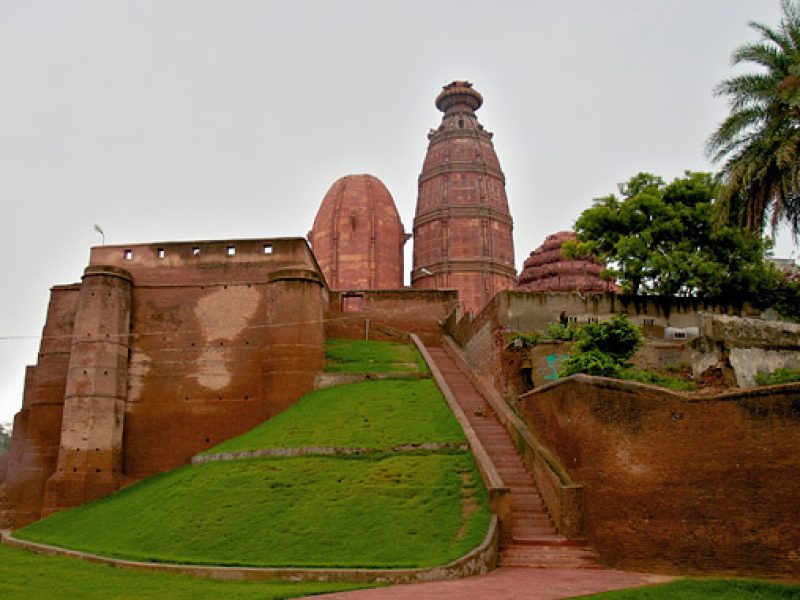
{"x":759,"y":141}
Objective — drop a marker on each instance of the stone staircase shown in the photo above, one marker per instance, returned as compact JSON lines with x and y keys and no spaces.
{"x":533,"y":540}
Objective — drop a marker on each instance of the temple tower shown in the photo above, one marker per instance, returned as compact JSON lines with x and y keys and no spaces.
{"x":462,"y":228}
{"x":357,"y":236}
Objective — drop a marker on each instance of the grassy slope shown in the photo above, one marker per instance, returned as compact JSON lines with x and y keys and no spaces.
{"x":36,"y":577}
{"x":372,"y":414}
{"x":402,"y":511}
{"x":379,"y":511}
{"x":367,"y":356}
{"x":707,"y":589}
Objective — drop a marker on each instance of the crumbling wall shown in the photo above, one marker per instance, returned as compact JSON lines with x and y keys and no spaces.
{"x":747,"y":346}
{"x":678,"y":484}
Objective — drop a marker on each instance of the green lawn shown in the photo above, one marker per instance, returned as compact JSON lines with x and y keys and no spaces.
{"x":707,"y":589}
{"x":399,"y":511}
{"x":36,"y":577}
{"x":367,"y":356}
{"x":382,"y":510}
{"x":371,"y":414}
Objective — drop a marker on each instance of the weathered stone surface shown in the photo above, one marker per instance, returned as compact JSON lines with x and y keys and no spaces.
{"x":161,"y":352}
{"x":463,"y":228}
{"x":357,"y":236}
{"x":679,"y":484}
{"x":546,"y":270}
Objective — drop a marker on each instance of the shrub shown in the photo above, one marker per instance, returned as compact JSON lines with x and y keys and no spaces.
{"x":592,"y":362}
{"x":617,"y":337}
{"x":603,"y":348}
{"x":561,"y":331}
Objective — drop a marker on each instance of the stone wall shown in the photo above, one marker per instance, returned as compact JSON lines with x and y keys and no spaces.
{"x":389,"y":314}
{"x":208,"y":340}
{"x":750,"y":347}
{"x":484,"y":337}
{"x":677,"y":484}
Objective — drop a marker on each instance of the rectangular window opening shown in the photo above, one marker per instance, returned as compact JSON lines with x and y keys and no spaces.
{"x":679,"y":335}
{"x":128,"y":254}
{"x":267,"y":248}
{"x":196,"y":251}
{"x":231,"y":250}
{"x":160,"y":253}
{"x":649,"y":322}
{"x":591,"y":320}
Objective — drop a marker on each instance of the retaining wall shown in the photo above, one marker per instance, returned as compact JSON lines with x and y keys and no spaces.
{"x":677,"y":484}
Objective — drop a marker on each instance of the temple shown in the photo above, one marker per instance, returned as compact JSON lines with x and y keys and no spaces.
{"x":462,"y":228}
{"x":357,"y":236}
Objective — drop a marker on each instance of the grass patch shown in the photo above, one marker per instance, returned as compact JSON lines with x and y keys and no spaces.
{"x":781,"y":375}
{"x":402,"y":511}
{"x":368,"y":356}
{"x":371,"y":414}
{"x":707,"y":589}
{"x":671,"y":382}
{"x":33,"y":576}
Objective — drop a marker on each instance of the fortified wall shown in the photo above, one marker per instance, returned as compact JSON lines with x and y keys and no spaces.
{"x":162,"y":351}
{"x":679,"y":484}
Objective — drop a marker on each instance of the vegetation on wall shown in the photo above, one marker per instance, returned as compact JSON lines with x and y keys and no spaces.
{"x":778,"y":376}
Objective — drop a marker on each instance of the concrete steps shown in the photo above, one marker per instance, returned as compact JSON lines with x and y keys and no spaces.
{"x":533,"y":541}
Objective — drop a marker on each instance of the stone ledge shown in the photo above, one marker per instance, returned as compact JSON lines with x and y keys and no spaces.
{"x":476,"y":562}
{"x":433,"y":447}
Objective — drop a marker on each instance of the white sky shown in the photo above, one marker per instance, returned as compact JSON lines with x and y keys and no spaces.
{"x":197,"y":119}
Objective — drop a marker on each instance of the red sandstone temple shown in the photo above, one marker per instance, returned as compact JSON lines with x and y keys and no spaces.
{"x":546,"y":270}
{"x":165,"y":349}
{"x":462,"y":229}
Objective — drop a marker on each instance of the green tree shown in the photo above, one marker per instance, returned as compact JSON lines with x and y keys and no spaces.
{"x":759,"y":142}
{"x":658,"y":239}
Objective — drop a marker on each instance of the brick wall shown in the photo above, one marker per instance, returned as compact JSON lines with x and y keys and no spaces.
{"x":677,"y":484}
{"x":392,"y":314}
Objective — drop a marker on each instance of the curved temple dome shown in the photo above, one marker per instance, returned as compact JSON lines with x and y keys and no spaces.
{"x":357,"y":235}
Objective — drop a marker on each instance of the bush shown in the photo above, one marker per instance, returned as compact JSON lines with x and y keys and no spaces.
{"x":603,"y":348}
{"x":617,"y":337}
{"x":561,"y":331}
{"x":592,"y":362}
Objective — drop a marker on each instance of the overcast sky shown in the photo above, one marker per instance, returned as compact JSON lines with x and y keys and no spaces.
{"x":181,"y":120}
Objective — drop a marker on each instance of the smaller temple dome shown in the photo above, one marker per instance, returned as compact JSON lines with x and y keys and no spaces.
{"x":357,"y":236}
{"x":545,"y":270}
